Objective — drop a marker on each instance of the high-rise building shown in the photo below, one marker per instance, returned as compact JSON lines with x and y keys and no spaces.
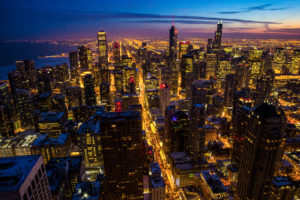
{"x":24,"y":107}
{"x":89,"y":90}
{"x":217,"y":43}
{"x":23,"y":178}
{"x":173,"y":44}
{"x":201,"y":91}
{"x":197,"y":134}
{"x":157,"y":184}
{"x":104,"y":93}
{"x":74,"y":65}
{"x":164,"y":97}
{"x":15,"y":81}
{"x":6,"y":122}
{"x":74,"y":96}
{"x":103,"y":50}
{"x":122,"y":146}
{"x":186,"y":68}
{"x":263,"y":147}
{"x":90,"y":143}
{"x":117,"y":53}
{"x":264,"y":87}
{"x":230,"y":89}
{"x":184,"y":48}
{"x":85,"y":58}
{"x":283,"y":188}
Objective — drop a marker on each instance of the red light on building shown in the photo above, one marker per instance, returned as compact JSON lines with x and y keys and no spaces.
{"x":118,"y":106}
{"x":131,"y":80}
{"x":116,"y":45}
{"x":163,"y":86}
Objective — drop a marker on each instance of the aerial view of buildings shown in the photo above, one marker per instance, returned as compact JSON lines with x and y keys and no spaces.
{"x":146,"y":116}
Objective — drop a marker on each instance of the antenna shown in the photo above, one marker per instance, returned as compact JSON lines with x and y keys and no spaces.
{"x":173,"y":20}
{"x":221,"y":21}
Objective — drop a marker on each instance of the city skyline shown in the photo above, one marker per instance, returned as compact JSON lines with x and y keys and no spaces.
{"x":61,"y":20}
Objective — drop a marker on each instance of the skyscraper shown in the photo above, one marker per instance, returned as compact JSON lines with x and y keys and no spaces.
{"x":230,"y":89}
{"x":173,"y":44}
{"x":262,"y":149}
{"x":74,"y":65}
{"x":217,"y":43}
{"x":102,"y":48}
{"x":74,"y":96}
{"x":85,"y":58}
{"x":164,"y":97}
{"x":197,"y":135}
{"x":117,"y":53}
{"x":122,"y":144}
{"x":89,"y":90}
{"x":24,"y":107}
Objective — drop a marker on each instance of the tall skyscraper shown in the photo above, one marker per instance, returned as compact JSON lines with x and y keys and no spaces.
{"x":85,"y":58}
{"x":263,"y":147}
{"x":89,"y":90}
{"x":23,"y":178}
{"x":74,"y":65}
{"x":217,"y":43}
{"x":173,"y":44}
{"x":103,"y":50}
{"x":122,"y":144}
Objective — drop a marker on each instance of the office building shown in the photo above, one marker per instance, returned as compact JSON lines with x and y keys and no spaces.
{"x":117,"y":53}
{"x":24,"y":107}
{"x":164,"y":97}
{"x":74,"y":65}
{"x":123,"y":155}
{"x":85,"y":58}
{"x":74,"y":96}
{"x":173,"y":44}
{"x":103,"y":49}
{"x":157,"y":184}
{"x":90,"y":143}
{"x":89,"y":90}
{"x":230,"y":89}
{"x":23,"y":178}
{"x":263,"y":147}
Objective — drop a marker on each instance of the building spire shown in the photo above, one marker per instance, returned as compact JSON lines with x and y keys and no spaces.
{"x":173,"y":20}
{"x":221,"y":21}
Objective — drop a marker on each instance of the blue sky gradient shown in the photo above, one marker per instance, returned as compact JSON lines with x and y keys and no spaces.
{"x":76,"y":19}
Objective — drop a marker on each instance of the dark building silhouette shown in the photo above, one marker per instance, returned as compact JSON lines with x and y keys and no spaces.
{"x":262,"y":149}
{"x":122,"y":146}
{"x":89,"y":90}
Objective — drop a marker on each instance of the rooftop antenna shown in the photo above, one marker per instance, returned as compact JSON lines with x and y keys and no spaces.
{"x":173,"y":20}
{"x":218,"y":21}
{"x":221,"y":21}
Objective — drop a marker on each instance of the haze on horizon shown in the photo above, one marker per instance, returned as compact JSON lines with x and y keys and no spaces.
{"x":76,"y":19}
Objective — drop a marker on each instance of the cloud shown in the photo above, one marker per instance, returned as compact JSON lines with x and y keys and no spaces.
{"x":284,"y":30}
{"x":136,"y":16}
{"x":170,"y":22}
{"x":264,"y":7}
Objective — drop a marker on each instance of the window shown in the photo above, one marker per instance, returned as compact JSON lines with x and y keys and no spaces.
{"x":33,"y":184}
{"x":25,"y":197}
{"x":29,"y":191}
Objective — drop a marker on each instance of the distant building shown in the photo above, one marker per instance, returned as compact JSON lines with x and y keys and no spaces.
{"x":23,"y":178}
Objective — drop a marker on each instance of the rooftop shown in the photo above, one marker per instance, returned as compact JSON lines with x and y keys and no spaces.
{"x":281,"y":181}
{"x":51,"y":116}
{"x":87,"y":191}
{"x":214,"y":182}
{"x":46,"y":140}
{"x":14,"y":170}
{"x":157,"y":182}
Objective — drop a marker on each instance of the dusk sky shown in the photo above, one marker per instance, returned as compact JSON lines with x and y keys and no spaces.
{"x":76,"y":19}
